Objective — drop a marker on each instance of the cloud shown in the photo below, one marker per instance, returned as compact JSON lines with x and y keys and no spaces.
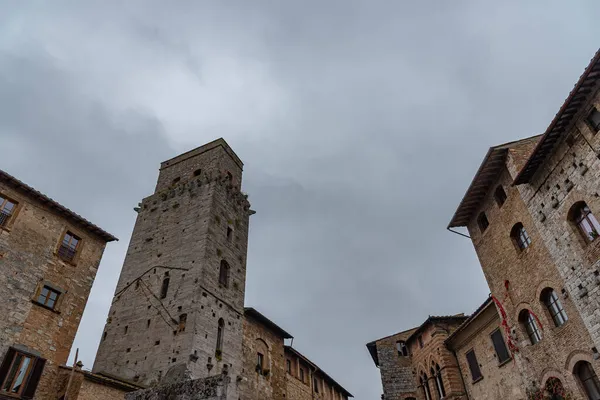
{"x":360,"y":124}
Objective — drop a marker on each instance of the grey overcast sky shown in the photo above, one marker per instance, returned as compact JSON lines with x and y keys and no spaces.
{"x":361,"y":124}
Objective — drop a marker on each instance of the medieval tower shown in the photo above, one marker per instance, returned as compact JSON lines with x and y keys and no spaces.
{"x":179,"y":304}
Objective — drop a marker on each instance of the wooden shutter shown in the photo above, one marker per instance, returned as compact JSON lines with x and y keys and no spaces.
{"x":473,"y":365}
{"x":8,"y":358}
{"x":500,"y":346}
{"x":34,"y":378}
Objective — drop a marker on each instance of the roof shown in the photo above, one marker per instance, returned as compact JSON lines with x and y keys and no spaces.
{"x":489,"y":301}
{"x":107,"y":380}
{"x":60,"y":209}
{"x":558,"y":127}
{"x":486,"y":176}
{"x":316,"y":367}
{"x":372,"y":346}
{"x":267,"y":322}
{"x":433,"y":318}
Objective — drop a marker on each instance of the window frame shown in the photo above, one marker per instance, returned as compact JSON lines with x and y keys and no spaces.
{"x":62,"y":248}
{"x":402,"y":348}
{"x":554,"y":307}
{"x":502,"y":341}
{"x":520,"y":237}
{"x":47,"y":298}
{"x":224,"y":273}
{"x":530,"y":324}
{"x":476,"y":363}
{"x":589,"y":119}
{"x":580,"y":214}
{"x":260,"y":362}
{"x":593,"y":377}
{"x":7,"y":223}
{"x":31,"y":377}
{"x":500,"y":196}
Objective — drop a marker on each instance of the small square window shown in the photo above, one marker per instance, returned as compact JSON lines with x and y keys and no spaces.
{"x":48,"y":297}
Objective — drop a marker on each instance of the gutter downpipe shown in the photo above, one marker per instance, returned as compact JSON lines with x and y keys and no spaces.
{"x":462,"y":378}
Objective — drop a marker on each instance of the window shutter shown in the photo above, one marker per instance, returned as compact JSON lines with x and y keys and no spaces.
{"x":34,"y":378}
{"x":500,"y":346}
{"x":10,"y":355}
{"x":473,"y":365}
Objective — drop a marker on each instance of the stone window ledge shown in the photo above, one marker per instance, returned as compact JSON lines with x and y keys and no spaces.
{"x":477,"y":380}
{"x":503,"y":363}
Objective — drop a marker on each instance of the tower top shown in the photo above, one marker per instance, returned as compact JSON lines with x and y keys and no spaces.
{"x":220,"y":142}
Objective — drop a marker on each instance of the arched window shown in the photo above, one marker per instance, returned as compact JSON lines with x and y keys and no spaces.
{"x":220,"y":332}
{"x":530,"y":324}
{"x":500,"y":196}
{"x":482,"y":222}
{"x":552,"y":302}
{"x":402,"y":348}
{"x":555,"y":388}
{"x":164,"y":289}
{"x":224,"y":273}
{"x":520,"y":237}
{"x":581,"y":215}
{"x":425,"y":384}
{"x":588,"y":379}
{"x":439,"y":381}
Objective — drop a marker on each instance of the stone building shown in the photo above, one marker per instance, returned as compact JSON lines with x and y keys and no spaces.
{"x":530,"y":214}
{"x":177,"y":324}
{"x":49,"y":257}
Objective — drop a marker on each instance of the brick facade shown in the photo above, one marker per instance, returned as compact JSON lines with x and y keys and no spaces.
{"x":30,"y":260}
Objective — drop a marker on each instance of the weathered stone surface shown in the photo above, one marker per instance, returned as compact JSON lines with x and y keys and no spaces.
{"x":211,"y":388}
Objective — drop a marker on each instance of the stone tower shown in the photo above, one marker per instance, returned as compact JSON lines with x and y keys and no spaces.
{"x":179,"y":304}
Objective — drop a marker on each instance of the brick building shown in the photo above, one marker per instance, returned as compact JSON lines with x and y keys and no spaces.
{"x":49,"y":257}
{"x":530,"y":214}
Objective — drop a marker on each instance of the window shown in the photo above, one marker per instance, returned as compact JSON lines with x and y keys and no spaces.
{"x":500,"y":346}
{"x":48,"y":297}
{"x":581,"y":215}
{"x":474,"y":366}
{"x":288,"y":366}
{"x":126,"y":329}
{"x":531,"y":326}
{"x":420,"y":340}
{"x":20,"y":373}
{"x":302,"y":374}
{"x":224,"y":273}
{"x":555,"y":388}
{"x":594,"y":119}
{"x":164,"y":289}
{"x":588,"y":379}
{"x":197,"y":172}
{"x":500,"y":196}
{"x":316,"y":384}
{"x":520,"y":237}
{"x":229,"y":233}
{"x":7,"y":209}
{"x":439,"y":381}
{"x":402,"y":348}
{"x":425,"y":385}
{"x":68,"y":247}
{"x":259,"y":362}
{"x":482,"y":222}
{"x":552,"y":302}
{"x":220,"y":331}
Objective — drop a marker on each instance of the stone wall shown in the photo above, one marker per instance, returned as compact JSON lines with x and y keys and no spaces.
{"x":397,"y":372}
{"x":196,"y":220}
{"x":211,"y":388}
{"x":28,"y":261}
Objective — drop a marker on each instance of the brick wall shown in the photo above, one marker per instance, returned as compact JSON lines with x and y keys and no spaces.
{"x":397,"y":371}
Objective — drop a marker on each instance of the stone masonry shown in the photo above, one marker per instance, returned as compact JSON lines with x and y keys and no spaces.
{"x":33,"y":261}
{"x":178,"y":308}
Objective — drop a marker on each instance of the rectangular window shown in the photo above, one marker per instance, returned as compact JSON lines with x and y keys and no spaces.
{"x":68,"y":247}
{"x":20,"y":374}
{"x":420,"y":339}
{"x":7,"y":209}
{"x":288,"y":366}
{"x":302,"y":374}
{"x":48,"y":297}
{"x":259,"y":362}
{"x":500,"y":346}
{"x":594,"y":120}
{"x":474,"y":366}
{"x":316,"y":384}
